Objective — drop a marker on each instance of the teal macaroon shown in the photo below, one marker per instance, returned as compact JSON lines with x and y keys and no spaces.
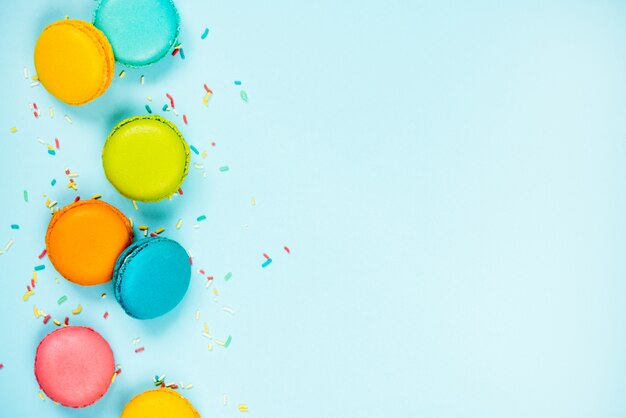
{"x":151,"y":277}
{"x":141,"y":32}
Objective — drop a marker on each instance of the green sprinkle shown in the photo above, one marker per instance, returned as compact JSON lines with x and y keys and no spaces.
{"x":15,"y":226}
{"x":40,"y":267}
{"x":228,"y":340}
{"x":243,"y":95}
{"x":201,"y":218}
{"x":228,"y":276}
{"x":51,"y":152}
{"x":205,"y":33}
{"x":62,"y":299}
{"x":224,"y":168}
{"x":25,"y":196}
{"x":267,"y":263}
{"x":165,"y":107}
{"x":53,"y":182}
{"x":237,"y":83}
{"x":194,"y":149}
{"x":148,"y":109}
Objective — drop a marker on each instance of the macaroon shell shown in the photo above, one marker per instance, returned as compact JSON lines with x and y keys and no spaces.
{"x":84,"y":240}
{"x":159,"y":403}
{"x":74,"y":61}
{"x":146,"y":158}
{"x":141,"y":32}
{"x":151,"y":277}
{"x":74,"y":366}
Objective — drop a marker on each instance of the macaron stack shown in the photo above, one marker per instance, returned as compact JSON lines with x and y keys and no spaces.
{"x":91,"y":242}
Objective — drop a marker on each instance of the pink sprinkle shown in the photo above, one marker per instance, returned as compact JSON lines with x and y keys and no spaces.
{"x":106,"y":315}
{"x":118,"y":372}
{"x":212,"y":144}
{"x":208,"y":90}
{"x":171,"y":100}
{"x":35,"y":105}
{"x":266,"y":256}
{"x":174,"y":52}
{"x":210,"y":278}
{"x":185,"y":119}
{"x":77,"y":198}
{"x":287,"y":249}
{"x":28,"y":288}
{"x":56,"y":142}
{"x":190,"y":261}
{"x":152,"y":234}
{"x":67,"y":171}
{"x":36,"y":114}
{"x":201,"y":271}
{"x":32,"y":282}
{"x":40,"y":256}
{"x":67,"y":320}
{"x":139,"y":350}
{"x":46,"y":319}
{"x":180,"y":191}
{"x":1,"y":365}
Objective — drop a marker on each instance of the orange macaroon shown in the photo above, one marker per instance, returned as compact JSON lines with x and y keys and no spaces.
{"x":84,"y":240}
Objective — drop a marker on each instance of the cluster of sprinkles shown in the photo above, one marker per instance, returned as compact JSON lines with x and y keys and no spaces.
{"x":159,"y":381}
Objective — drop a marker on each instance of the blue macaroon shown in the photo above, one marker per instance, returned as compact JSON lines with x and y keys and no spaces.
{"x":141,"y":32}
{"x":151,"y":277}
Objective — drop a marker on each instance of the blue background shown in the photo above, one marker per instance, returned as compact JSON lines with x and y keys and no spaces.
{"x":449,"y":176}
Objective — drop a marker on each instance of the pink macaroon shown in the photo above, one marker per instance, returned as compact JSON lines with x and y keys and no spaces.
{"x":74,"y":366}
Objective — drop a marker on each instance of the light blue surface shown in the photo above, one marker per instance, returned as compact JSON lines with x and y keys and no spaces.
{"x":449,"y":176}
{"x":141,"y":32}
{"x":151,"y":277}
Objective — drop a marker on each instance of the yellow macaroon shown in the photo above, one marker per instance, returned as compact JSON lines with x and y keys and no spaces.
{"x":159,"y":403}
{"x":74,"y":61}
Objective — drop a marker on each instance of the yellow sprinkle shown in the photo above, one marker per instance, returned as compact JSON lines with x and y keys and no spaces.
{"x":135,"y":205}
{"x":9,"y":244}
{"x":203,"y":154}
{"x":96,"y":196}
{"x":57,"y":323}
{"x":78,"y":310}
{"x":50,"y":147}
{"x":179,"y":223}
{"x":41,"y":396}
{"x":243,"y":408}
{"x":206,"y":328}
{"x":68,"y":119}
{"x":37,"y":312}
{"x":141,"y":80}
{"x":122,"y":74}
{"x":210,"y":346}
{"x":253,"y":201}
{"x":27,"y":295}
{"x":113,"y":378}
{"x":215,"y":292}
{"x":205,"y":99}
{"x":158,"y":231}
{"x":143,"y":227}
{"x":73,"y":175}
{"x":149,"y":98}
{"x":197,"y":314}
{"x":189,"y":386}
{"x":13,"y":130}
{"x":35,"y":77}
{"x":131,"y":221}
{"x":51,"y":113}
